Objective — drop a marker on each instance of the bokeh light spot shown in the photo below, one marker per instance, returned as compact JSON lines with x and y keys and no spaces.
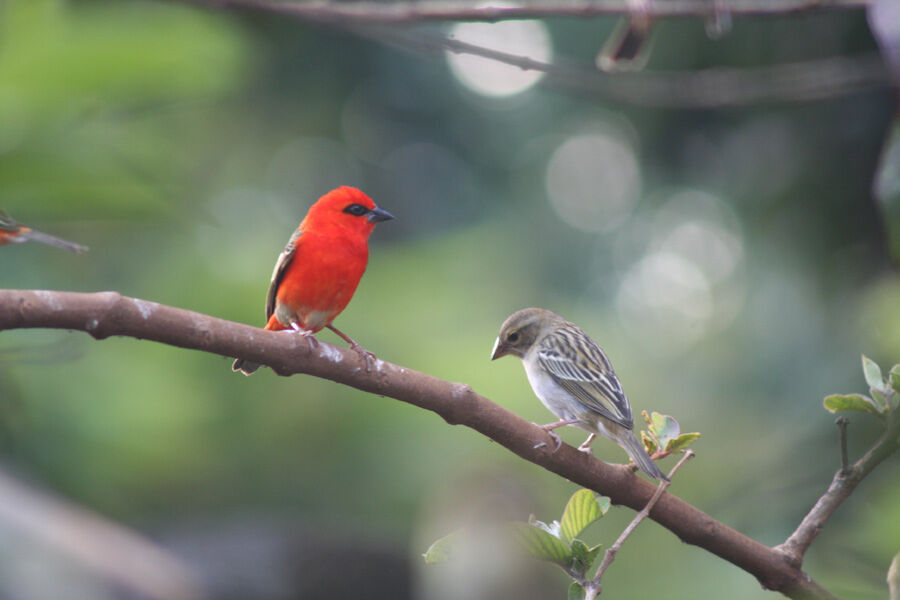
{"x":492,"y":78}
{"x":593,"y":181}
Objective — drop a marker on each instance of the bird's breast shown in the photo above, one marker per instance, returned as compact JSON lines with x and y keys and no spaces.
{"x":560,"y":402}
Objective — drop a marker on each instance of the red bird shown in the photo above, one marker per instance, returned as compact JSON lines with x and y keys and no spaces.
{"x":12,"y":232}
{"x":320,"y":267}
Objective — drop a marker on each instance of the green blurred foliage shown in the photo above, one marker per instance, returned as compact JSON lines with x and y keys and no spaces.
{"x":183,"y":146}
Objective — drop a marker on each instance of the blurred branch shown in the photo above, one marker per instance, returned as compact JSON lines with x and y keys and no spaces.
{"x":114,"y":553}
{"x":893,"y":578}
{"x":843,"y":484}
{"x":437,"y":10}
{"x":108,"y":313}
{"x":708,"y":88}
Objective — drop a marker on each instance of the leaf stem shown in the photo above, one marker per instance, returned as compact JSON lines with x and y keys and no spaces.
{"x":842,"y":422}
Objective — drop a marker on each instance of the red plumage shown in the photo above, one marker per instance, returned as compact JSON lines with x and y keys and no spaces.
{"x":318,"y":271}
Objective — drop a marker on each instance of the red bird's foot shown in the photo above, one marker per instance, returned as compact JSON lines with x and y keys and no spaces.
{"x":309,"y":335}
{"x":369,"y":357}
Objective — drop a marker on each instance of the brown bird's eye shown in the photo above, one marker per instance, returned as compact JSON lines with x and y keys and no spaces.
{"x":513,"y":337}
{"x":357,"y":210}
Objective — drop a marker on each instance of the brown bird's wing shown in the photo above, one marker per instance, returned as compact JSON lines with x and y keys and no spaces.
{"x":578,"y":364}
{"x":284,"y":260}
{"x":7,"y":223}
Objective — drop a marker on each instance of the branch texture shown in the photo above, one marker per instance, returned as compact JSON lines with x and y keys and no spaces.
{"x":107,"y":314}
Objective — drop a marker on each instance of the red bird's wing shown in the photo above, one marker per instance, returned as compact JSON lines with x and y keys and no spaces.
{"x":284,"y":261}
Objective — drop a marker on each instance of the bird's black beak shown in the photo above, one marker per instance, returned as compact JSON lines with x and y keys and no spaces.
{"x":499,"y":350}
{"x":377,"y":215}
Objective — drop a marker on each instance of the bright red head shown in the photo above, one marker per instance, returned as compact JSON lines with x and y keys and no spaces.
{"x":345,"y":208}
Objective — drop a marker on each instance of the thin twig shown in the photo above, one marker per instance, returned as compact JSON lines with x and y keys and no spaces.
{"x":716,"y":87}
{"x":593,"y":588}
{"x":842,"y":485}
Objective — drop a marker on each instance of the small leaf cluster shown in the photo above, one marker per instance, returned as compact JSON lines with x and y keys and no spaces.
{"x":663,"y":435}
{"x":558,"y":542}
{"x":884,"y":393}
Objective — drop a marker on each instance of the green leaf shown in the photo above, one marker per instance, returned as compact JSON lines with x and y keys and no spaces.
{"x":576,"y":591}
{"x":873,"y":374}
{"x":581,"y":510}
{"x":604,"y":503}
{"x":542,"y":545}
{"x":584,"y":556}
{"x":895,"y":378}
{"x":664,"y":426}
{"x":442,"y":550}
{"x":682,"y":441}
{"x":649,"y":443}
{"x":851,"y":402}
{"x":664,"y":429}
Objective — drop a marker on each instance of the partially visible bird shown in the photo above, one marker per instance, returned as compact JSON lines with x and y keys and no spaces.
{"x":13,"y":232}
{"x":318,"y":271}
{"x":573,"y":378}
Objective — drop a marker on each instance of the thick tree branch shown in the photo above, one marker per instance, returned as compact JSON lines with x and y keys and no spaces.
{"x":843,"y":484}
{"x":108,"y":313}
{"x":440,"y":10}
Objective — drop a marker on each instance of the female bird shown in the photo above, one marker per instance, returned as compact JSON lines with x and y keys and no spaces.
{"x":573,"y":378}
{"x":319,"y":269}
{"x":12,"y":232}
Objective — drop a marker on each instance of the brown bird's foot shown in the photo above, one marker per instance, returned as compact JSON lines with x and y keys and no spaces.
{"x":556,"y":440}
{"x":367,"y":356}
{"x":549,"y":429}
{"x":586,"y":445}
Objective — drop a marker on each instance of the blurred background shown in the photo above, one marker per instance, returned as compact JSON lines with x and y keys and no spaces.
{"x":732,"y":262}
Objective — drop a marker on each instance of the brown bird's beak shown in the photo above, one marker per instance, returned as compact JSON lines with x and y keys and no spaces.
{"x":499,"y":350}
{"x":377,"y":215}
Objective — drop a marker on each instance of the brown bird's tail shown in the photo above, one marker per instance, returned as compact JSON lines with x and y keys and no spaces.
{"x":635,"y":450}
{"x":51,"y":240}
{"x":245,"y":367}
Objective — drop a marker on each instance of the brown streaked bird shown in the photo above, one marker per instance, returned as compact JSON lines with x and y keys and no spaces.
{"x":574,"y":379}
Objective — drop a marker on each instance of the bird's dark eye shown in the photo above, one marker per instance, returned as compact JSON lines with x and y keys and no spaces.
{"x":357,"y":210}
{"x":513,"y":337}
